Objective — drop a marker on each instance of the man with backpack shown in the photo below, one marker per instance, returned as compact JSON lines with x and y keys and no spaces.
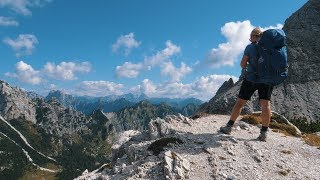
{"x":265,"y":61}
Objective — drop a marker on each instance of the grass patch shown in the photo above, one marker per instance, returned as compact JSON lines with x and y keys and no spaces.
{"x":289,"y":130}
{"x":255,"y":119}
{"x":312,"y":139}
{"x":252,"y":119}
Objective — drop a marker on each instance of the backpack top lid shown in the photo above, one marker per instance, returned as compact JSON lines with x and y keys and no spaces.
{"x":273,"y":39}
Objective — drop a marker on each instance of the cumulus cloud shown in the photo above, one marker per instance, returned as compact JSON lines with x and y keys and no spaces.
{"x":129,"y":70}
{"x":211,"y":83}
{"x":125,"y":42}
{"x":66,"y":70}
{"x":278,"y":26}
{"x":99,"y":88}
{"x":25,"y":73}
{"x":203,"y":88}
{"x":161,"y":58}
{"x":237,"y":35}
{"x":170,"y":50}
{"x":23,"y":45}
{"x":175,"y":74}
{"x":7,"y":21}
{"x":23,"y":6}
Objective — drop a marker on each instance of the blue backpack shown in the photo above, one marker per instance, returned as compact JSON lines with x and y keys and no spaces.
{"x":272,"y":61}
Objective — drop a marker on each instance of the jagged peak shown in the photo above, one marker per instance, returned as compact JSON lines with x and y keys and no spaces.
{"x":225,"y":86}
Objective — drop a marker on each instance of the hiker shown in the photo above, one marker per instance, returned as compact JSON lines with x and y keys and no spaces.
{"x":249,"y":86}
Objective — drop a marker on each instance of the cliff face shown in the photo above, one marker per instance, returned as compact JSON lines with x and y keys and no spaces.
{"x":14,"y":103}
{"x":298,"y":96}
{"x":302,"y":29}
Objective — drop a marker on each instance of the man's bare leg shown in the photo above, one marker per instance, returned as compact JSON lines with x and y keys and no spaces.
{"x":236,"y":110}
{"x":265,"y":116}
{"x":265,"y":112}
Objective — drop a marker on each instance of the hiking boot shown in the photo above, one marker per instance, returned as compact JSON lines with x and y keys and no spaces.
{"x":226,"y":129}
{"x":263,"y":136}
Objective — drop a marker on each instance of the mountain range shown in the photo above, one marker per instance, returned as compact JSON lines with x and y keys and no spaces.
{"x":113,"y":103}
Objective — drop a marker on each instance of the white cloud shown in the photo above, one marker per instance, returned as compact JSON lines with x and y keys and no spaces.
{"x":170,"y":90}
{"x":148,"y":87}
{"x":26,"y":74}
{"x":127,"y":42}
{"x":63,"y":71}
{"x":99,"y":88}
{"x":211,"y":83}
{"x":7,"y":21}
{"x":66,"y":70}
{"x":170,"y":50}
{"x":203,"y":88}
{"x":237,"y":35}
{"x":175,"y":73}
{"x":23,"y":45}
{"x":23,"y":6}
{"x":278,"y":26}
{"x":131,"y":70}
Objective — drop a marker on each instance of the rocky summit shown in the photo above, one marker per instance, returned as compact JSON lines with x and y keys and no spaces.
{"x":298,"y":97}
{"x":177,"y":147}
{"x":14,"y":103}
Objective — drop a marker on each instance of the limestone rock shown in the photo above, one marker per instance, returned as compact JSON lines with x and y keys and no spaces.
{"x":158,"y":128}
{"x":15,"y":103}
{"x":175,"y":166}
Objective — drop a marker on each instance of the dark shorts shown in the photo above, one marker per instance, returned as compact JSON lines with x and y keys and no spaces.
{"x":248,"y":88}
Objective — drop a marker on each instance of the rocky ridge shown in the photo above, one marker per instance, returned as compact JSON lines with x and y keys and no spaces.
{"x":298,"y":97}
{"x":32,"y":129}
{"x":177,"y":147}
{"x":14,"y":103}
{"x":53,"y":117}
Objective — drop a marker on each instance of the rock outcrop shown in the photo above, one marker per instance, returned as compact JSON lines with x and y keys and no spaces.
{"x":59,"y":120}
{"x":197,"y":150}
{"x":14,"y":103}
{"x":298,"y":97}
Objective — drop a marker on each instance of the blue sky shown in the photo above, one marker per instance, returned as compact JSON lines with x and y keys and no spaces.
{"x":167,"y":48}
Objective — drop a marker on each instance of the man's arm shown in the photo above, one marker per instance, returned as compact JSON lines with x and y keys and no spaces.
{"x":244,"y":61}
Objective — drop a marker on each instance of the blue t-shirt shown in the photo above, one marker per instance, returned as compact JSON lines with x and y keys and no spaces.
{"x":251,"y":52}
